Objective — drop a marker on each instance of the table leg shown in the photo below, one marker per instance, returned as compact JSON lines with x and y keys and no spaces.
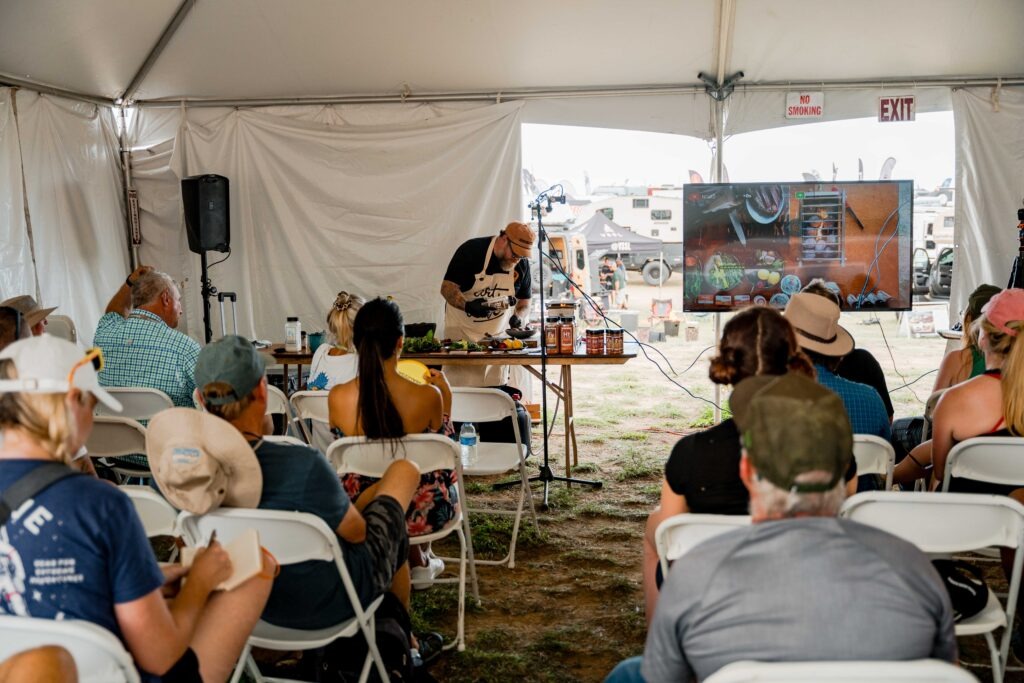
{"x":567,"y":415}
{"x":570,"y":416}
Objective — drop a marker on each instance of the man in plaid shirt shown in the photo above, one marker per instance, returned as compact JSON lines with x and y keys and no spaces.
{"x":140,"y":346}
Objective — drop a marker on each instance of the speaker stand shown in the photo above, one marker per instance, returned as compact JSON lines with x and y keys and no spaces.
{"x":208,"y":290}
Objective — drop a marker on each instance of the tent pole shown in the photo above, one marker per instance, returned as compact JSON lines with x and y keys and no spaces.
{"x":126,"y":182}
{"x":158,"y":48}
{"x":719,"y":165}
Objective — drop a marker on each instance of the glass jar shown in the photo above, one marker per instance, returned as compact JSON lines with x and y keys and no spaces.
{"x":567,"y":335}
{"x":613,"y":343}
{"x":551,"y":333}
{"x":595,"y":342}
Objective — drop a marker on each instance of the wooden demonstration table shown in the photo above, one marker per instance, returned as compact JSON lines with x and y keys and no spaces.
{"x":288,"y":359}
{"x":562,"y":388}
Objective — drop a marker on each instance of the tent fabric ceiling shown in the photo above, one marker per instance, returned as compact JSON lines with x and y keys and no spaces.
{"x":248,"y":49}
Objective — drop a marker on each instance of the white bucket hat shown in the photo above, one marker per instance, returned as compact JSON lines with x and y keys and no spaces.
{"x":51,"y":365}
{"x":201,"y":462}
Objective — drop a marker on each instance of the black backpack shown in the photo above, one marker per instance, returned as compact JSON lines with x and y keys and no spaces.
{"x":967,"y":589}
{"x":343,"y":659}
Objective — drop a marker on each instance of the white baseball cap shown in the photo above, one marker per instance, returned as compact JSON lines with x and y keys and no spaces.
{"x":50,"y":365}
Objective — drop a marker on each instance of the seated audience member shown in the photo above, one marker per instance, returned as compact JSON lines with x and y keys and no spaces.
{"x":33,"y":315}
{"x":230,"y":373}
{"x":969,"y":360}
{"x":798,"y":583}
{"x":337,"y":362}
{"x":138,"y":338}
{"x":988,"y":405}
{"x":381,"y":404}
{"x":89,"y":528}
{"x":859,"y":365}
{"x":815,"y":319}
{"x":957,"y":366}
{"x":46,"y":664}
{"x":12,"y":326}
{"x":702,"y":474}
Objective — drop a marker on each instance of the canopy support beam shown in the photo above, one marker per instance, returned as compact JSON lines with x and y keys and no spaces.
{"x":154,"y":54}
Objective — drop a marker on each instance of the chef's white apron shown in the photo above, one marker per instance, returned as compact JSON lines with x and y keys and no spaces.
{"x":458,"y":325}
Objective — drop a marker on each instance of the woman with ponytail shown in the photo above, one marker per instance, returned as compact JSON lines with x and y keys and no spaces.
{"x":381,"y":404}
{"x":337,"y":362}
{"x":702,"y":474}
{"x":991,"y":404}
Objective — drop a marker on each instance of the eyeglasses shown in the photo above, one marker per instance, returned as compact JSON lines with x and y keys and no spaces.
{"x":93,"y":356}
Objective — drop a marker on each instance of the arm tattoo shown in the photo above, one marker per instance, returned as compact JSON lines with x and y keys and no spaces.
{"x":453,"y":295}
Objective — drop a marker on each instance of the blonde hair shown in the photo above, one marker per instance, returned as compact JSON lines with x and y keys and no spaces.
{"x":227,"y":411}
{"x":1012,"y":382}
{"x":42,"y":417}
{"x":341,"y":317}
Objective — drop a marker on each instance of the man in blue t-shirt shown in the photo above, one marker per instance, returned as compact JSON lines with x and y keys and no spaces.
{"x":815,"y":320}
{"x":375,"y":544}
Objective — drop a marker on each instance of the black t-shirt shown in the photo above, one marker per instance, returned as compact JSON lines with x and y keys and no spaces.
{"x":860,"y":366}
{"x":466,"y":262}
{"x":705,"y":469}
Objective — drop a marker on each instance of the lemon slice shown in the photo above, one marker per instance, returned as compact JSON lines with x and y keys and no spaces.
{"x":413,"y":370}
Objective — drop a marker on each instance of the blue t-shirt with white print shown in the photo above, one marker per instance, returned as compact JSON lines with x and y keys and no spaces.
{"x":73,"y":551}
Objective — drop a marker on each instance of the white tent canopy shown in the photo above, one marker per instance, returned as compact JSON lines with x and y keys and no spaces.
{"x":336,"y":72}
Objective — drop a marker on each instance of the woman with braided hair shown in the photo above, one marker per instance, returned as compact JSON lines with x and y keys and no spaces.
{"x":702,"y":474}
{"x":337,"y":362}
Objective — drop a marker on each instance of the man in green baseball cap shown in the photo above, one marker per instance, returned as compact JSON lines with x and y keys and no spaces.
{"x":791,"y":427}
{"x":798,"y":583}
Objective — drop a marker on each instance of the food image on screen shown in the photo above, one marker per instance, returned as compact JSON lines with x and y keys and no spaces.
{"x":763,"y":242}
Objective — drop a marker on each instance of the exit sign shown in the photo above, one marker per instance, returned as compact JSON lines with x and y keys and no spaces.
{"x":897,"y":108}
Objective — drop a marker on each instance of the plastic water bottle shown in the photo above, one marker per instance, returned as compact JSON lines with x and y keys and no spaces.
{"x":467,"y":440}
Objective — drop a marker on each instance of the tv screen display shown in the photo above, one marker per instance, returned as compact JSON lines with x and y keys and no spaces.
{"x":759,"y":243}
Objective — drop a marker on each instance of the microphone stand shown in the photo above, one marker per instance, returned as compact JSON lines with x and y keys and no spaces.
{"x":546,"y":476}
{"x":1017,"y":272}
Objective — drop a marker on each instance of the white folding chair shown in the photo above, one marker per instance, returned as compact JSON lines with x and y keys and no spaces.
{"x":98,"y":654}
{"x":114,"y":437}
{"x":292,"y":537}
{"x":139,"y":403}
{"x":62,"y":326}
{"x":359,"y":455}
{"x":679,"y":534}
{"x":312,"y":406}
{"x":490,"y":405}
{"x":874,"y":455}
{"x":277,"y":402}
{"x":284,"y":438}
{"x":992,"y":459}
{"x":954,"y":522}
{"x":159,"y":518}
{"x":914,"y":671}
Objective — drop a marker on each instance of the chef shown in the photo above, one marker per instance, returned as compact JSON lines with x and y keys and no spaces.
{"x":487,"y":290}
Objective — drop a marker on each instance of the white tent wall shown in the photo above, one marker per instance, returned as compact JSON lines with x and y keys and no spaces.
{"x":367,"y":198}
{"x":990,"y":184}
{"x":17,"y":270}
{"x":69,"y":172}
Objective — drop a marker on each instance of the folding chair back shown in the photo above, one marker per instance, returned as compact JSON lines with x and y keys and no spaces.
{"x":284,"y":438}
{"x":948,"y":523}
{"x":312,"y":406}
{"x":679,"y":534}
{"x":98,"y":654}
{"x":291,"y":537}
{"x":140,"y":403}
{"x":491,"y":405}
{"x":874,"y":455}
{"x":915,"y":671}
{"x":112,"y":437}
{"x":370,"y":458}
{"x":277,"y":402}
{"x":159,"y":518}
{"x":62,"y":326}
{"x":993,"y":459}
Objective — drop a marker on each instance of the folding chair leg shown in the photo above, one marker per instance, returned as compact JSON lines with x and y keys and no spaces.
{"x":997,"y":668}
{"x":468,"y":552}
{"x":460,"y":629}
{"x":372,"y":653}
{"x":243,"y":662}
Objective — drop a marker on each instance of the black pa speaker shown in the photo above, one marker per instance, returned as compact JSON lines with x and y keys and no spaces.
{"x":207,"y":219}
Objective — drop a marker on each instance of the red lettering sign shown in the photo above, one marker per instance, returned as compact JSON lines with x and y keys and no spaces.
{"x":896,"y":108}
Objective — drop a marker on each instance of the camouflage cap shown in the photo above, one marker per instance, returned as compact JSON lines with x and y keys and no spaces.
{"x":791,"y":425}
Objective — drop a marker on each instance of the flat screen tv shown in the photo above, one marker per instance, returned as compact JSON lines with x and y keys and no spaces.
{"x":759,"y":243}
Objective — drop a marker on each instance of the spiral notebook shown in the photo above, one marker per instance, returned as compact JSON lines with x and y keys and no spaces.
{"x":246,"y":558}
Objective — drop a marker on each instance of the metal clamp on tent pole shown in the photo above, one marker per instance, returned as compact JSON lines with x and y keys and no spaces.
{"x":718,"y":92}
